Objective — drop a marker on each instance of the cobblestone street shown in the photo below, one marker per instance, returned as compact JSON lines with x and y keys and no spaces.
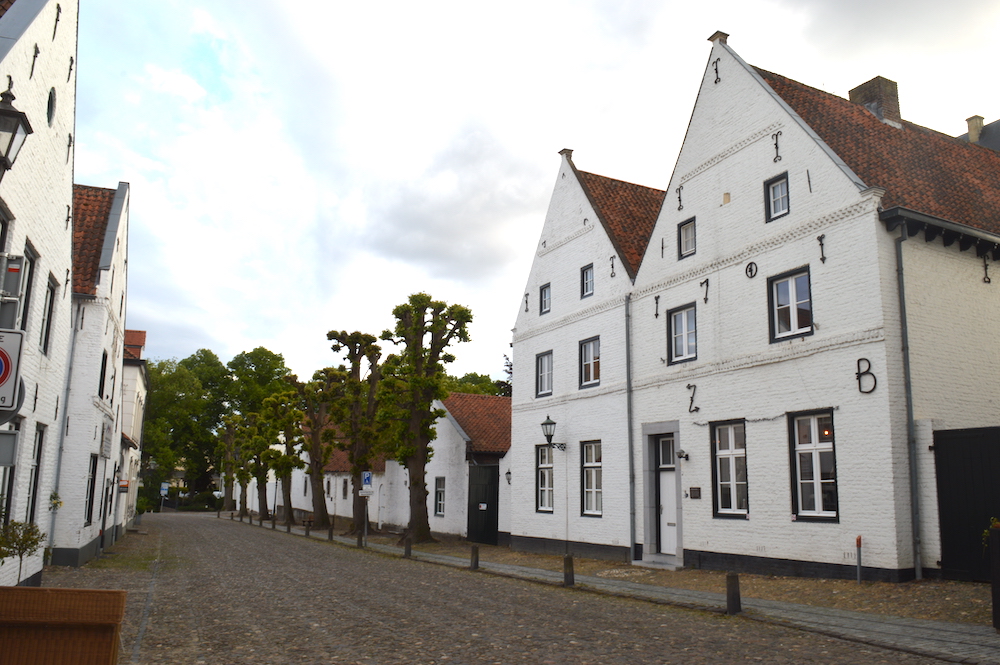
{"x":204,"y":590}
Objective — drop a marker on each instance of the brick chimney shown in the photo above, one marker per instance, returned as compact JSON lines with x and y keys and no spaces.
{"x":975,"y":128}
{"x":879,"y":96}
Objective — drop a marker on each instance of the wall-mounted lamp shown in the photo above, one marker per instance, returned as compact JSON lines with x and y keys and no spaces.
{"x":14,"y":127}
{"x":549,"y":430}
{"x":683,"y":455}
{"x":507,"y":476}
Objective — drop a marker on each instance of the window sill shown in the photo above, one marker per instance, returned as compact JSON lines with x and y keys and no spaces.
{"x":788,"y":336}
{"x":815,"y":518}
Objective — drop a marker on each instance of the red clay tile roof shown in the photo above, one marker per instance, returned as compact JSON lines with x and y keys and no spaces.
{"x":135,"y":340}
{"x":628,"y":213}
{"x":91,"y":208}
{"x":485,"y":418}
{"x":920,"y":169}
{"x":4,"y":6}
{"x":339,"y":463}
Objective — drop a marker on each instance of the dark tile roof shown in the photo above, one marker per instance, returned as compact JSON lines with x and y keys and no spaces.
{"x":485,"y":418}
{"x":628,"y":213}
{"x":91,"y":208}
{"x":920,"y":169}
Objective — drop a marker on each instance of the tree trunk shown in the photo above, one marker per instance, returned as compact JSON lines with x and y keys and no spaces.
{"x":321,"y":516}
{"x":359,"y":503}
{"x":286,"y":497}
{"x":244,"y":512}
{"x":228,"y":502}
{"x":262,"y":498}
{"x":419,"y":528}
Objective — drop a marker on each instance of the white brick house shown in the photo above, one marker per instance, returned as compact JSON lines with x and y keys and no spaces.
{"x":794,"y":360}
{"x":94,"y":460}
{"x":37,"y":54}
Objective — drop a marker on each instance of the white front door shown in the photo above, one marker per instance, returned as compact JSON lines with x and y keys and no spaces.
{"x":669,"y":517}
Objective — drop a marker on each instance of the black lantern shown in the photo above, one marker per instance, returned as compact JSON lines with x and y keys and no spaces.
{"x":14,"y":128}
{"x":548,"y":429}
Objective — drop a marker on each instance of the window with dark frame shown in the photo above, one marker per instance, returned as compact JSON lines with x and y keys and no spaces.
{"x":776,"y":197}
{"x":592,"y":482}
{"x":543,"y":374}
{"x":814,"y":465}
{"x":104,"y":374}
{"x":345,"y":488}
{"x":545,"y":299}
{"x":686,"y":241}
{"x":27,"y":281}
{"x":587,"y":281}
{"x":439,"y":496}
{"x":790,"y":304}
{"x":34,"y":474}
{"x":88,"y":513}
{"x":682,"y":334}
{"x":544,"y":479}
{"x":590,"y":362}
{"x":729,"y":470}
{"x":47,"y":310}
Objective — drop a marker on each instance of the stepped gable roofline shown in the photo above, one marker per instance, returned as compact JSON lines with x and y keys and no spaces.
{"x":91,"y":211}
{"x":484,"y":419}
{"x":921,"y":170}
{"x":627,"y":212}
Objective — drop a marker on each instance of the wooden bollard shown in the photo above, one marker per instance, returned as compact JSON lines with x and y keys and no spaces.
{"x":274,"y":522}
{"x":474,"y":562}
{"x":407,"y":547}
{"x":260,"y":520}
{"x":568,"y":578}
{"x":231,"y":515}
{"x":288,"y":527}
{"x":329,"y":533}
{"x":733,"y":603}
{"x":307,"y":529}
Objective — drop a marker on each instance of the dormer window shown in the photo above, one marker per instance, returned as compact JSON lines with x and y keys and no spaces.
{"x":776,"y":197}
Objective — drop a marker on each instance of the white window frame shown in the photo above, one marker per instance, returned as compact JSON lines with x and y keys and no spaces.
{"x":683,"y":333}
{"x":686,"y":239}
{"x":592,"y":501}
{"x":730,"y":453}
{"x":776,"y":197}
{"x":590,"y":362}
{"x":587,"y":281}
{"x":544,"y":479}
{"x":545,"y":299}
{"x":543,"y":374}
{"x":799,"y":292}
{"x":812,"y":446}
{"x":439,"y":496}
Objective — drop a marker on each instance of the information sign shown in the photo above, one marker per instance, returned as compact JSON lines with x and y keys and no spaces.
{"x":164,"y":488}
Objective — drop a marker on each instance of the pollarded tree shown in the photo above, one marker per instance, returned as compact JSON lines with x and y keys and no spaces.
{"x":280,"y":421}
{"x":316,"y":399}
{"x":356,"y":412}
{"x":413,"y":379}
{"x":235,"y":448}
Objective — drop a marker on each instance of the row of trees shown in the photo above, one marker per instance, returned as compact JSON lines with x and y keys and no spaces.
{"x":251,"y":416}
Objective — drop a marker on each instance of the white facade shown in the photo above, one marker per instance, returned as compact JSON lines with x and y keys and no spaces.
{"x":766,"y":435}
{"x":94,"y":461}
{"x":38,"y":193}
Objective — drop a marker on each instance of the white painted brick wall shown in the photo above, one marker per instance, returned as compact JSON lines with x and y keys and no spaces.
{"x":38,"y":191}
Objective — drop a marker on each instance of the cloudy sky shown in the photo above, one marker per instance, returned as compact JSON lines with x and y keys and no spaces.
{"x":302,"y":166}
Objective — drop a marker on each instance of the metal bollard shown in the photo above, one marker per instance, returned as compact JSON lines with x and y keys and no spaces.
{"x":288,"y":527}
{"x":231,"y":515}
{"x":274,"y":522}
{"x":733,"y":603}
{"x":329,"y":533}
{"x":474,"y":563}
{"x":568,"y":578}
{"x":361,"y":539}
{"x":858,"y":544}
{"x":307,"y":529}
{"x":407,"y":547}
{"x":260,"y":520}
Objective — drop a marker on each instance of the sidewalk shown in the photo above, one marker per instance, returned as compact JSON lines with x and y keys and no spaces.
{"x":952,"y":642}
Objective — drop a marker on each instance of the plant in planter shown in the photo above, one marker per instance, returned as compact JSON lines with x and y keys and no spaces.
{"x":20,"y":539}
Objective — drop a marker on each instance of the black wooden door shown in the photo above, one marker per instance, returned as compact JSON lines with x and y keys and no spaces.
{"x":484,"y":500}
{"x":968,"y":483}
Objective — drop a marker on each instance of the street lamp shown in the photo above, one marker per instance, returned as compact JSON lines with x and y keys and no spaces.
{"x":14,"y":128}
{"x":549,"y":430}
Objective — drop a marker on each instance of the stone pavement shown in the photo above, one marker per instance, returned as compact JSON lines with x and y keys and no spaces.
{"x":953,"y":642}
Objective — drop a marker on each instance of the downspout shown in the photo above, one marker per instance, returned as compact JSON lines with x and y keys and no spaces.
{"x":628,"y":409}
{"x":911,"y":438}
{"x":65,"y":423}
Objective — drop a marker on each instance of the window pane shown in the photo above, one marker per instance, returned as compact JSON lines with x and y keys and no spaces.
{"x":741,"y":469}
{"x":723,"y":434}
{"x":826,"y":467}
{"x":725,"y":497}
{"x":829,"y":496}
{"x":741,"y":497}
{"x":808,"y":497}
{"x":667,"y":452}
{"x":781,"y":295}
{"x":724,"y":470}
{"x":739,"y":436}
{"x":804,"y":431}
{"x":805,"y":466}
{"x":825,"y":424}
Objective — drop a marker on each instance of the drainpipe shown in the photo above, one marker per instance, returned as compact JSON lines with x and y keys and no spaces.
{"x":65,"y":421}
{"x":628,"y":402}
{"x":911,"y":438}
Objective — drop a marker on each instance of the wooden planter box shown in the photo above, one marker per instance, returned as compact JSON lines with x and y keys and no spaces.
{"x":41,"y":626}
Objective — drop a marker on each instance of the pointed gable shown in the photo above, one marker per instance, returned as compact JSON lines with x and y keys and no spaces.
{"x":91,"y":211}
{"x":920,"y":169}
{"x":628,"y":213}
{"x":485,"y":418}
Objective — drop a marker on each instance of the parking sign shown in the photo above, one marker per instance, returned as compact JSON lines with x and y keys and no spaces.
{"x":10,"y":357}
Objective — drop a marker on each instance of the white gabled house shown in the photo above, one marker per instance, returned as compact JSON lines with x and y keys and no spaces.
{"x":807,"y":355}
{"x":37,"y":56}
{"x":94,"y":461}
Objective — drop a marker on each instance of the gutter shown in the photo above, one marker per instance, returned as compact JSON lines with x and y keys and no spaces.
{"x":628,"y":402}
{"x":65,"y":421}
{"x":911,"y":439}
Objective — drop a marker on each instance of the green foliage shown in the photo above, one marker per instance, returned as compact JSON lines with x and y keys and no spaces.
{"x":475,"y":384}
{"x":256,"y":375}
{"x":20,"y":539}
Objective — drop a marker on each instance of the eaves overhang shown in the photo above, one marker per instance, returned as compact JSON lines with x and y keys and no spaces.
{"x":984,"y":242}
